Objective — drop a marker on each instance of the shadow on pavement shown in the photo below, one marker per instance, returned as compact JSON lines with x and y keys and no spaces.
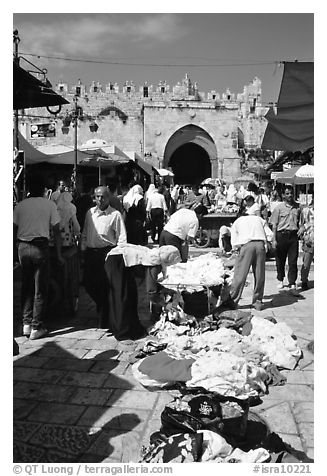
{"x":63,"y":408}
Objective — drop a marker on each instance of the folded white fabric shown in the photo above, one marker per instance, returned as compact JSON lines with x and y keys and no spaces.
{"x":134,"y":255}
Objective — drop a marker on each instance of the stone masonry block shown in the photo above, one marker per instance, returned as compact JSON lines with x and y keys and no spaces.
{"x":291,"y":393}
{"x":90,"y":396}
{"x":43,"y":392}
{"x":133,"y":399}
{"x":307,"y":433}
{"x":280,"y":419}
{"x":60,"y":413}
{"x":37,"y":375}
{"x":83,"y":379}
{"x":114,"y":418}
{"x":303,"y":411}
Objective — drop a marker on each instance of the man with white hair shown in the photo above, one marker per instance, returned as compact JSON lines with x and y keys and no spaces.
{"x":103,"y":229}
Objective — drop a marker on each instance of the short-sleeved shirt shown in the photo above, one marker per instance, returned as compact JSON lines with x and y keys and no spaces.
{"x":34,"y":216}
{"x":183,"y":223}
{"x":286,"y":217}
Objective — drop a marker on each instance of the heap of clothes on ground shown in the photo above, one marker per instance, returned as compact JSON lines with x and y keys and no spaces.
{"x":215,"y":367}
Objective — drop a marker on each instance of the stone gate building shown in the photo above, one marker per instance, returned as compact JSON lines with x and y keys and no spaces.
{"x":195,"y":134}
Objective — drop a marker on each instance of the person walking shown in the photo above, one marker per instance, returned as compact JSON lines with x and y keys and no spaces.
{"x":248,"y":237}
{"x":135,"y":215}
{"x":33,"y":219}
{"x":306,"y":233}
{"x":156,"y":209}
{"x":285,"y":223}
{"x":68,"y":276}
{"x":103,"y":229}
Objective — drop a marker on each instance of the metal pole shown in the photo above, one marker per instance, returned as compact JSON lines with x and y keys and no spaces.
{"x":75,"y":144}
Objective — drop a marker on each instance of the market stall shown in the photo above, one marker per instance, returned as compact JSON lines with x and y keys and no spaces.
{"x":215,"y":365}
{"x":210,"y":224}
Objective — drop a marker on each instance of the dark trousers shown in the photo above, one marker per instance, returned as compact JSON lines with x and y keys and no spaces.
{"x":127,"y":298}
{"x":306,"y":264}
{"x":95,"y":280}
{"x":287,"y":247}
{"x":167,"y":238}
{"x":251,"y":254}
{"x":34,"y":262}
{"x":157,"y":222}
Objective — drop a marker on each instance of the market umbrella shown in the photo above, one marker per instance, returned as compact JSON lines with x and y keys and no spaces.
{"x":301,"y":175}
{"x":211,"y":181}
{"x":107,"y":161}
{"x":165,"y":173}
{"x":258,"y":170}
{"x":31,"y":92}
{"x":244,"y":179}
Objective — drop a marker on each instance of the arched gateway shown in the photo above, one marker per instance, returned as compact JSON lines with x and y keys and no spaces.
{"x":191,"y":154}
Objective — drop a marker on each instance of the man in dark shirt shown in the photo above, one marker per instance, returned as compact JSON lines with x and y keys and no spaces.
{"x":285,"y":222}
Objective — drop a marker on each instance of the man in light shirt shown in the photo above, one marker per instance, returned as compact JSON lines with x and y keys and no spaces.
{"x":156,"y":209}
{"x":248,"y":236}
{"x":103,"y":229}
{"x":181,"y":226}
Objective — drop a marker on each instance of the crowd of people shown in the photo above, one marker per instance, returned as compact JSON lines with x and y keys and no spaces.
{"x":54,"y":227}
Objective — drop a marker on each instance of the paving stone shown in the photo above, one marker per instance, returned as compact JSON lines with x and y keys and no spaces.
{"x":110,"y":367}
{"x":68,"y":364}
{"x":105,"y":343}
{"x":310,"y":452}
{"x":292,"y":440}
{"x":123,"y":382}
{"x":22,"y":408}
{"x":123,"y":447}
{"x":31,"y":361}
{"x":25,"y":453}
{"x":291,"y":393}
{"x":37,"y":375}
{"x":43,"y":392}
{"x":95,"y":334}
{"x":83,"y":379}
{"x":60,"y":413}
{"x":68,"y":439}
{"x":55,"y":352}
{"x":307,"y":433}
{"x":303,"y":411}
{"x":114,"y":418}
{"x":23,"y":430}
{"x":90,"y":396}
{"x":64,"y":343}
{"x":280,"y":419}
{"x":132,"y":399}
{"x":300,"y":377}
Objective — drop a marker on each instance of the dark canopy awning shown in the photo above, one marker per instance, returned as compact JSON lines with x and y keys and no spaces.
{"x":31,"y":92}
{"x":292,"y":126}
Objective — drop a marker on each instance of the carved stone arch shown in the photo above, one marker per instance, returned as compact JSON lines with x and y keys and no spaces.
{"x":191,"y":154}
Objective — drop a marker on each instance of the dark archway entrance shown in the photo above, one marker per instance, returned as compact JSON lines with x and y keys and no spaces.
{"x":190,"y":164}
{"x":191,"y":154}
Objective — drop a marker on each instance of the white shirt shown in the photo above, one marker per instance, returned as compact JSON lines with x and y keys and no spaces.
{"x":34,"y":216}
{"x":247,"y":228}
{"x":156,"y":200}
{"x":103,"y":228}
{"x":183,"y":223}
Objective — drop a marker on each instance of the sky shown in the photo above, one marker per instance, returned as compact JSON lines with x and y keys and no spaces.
{"x":218,"y":50}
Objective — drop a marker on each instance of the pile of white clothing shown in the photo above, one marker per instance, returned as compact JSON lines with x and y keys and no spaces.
{"x":275,"y":341}
{"x":203,"y":270}
{"x":227,"y":374}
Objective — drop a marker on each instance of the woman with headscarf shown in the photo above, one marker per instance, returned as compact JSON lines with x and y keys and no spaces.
{"x":135,"y":215}
{"x":66,"y":278}
{"x":150,"y":190}
{"x":231,"y":194}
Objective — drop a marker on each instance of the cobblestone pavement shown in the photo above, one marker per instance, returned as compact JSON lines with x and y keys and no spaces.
{"x":75,"y":398}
